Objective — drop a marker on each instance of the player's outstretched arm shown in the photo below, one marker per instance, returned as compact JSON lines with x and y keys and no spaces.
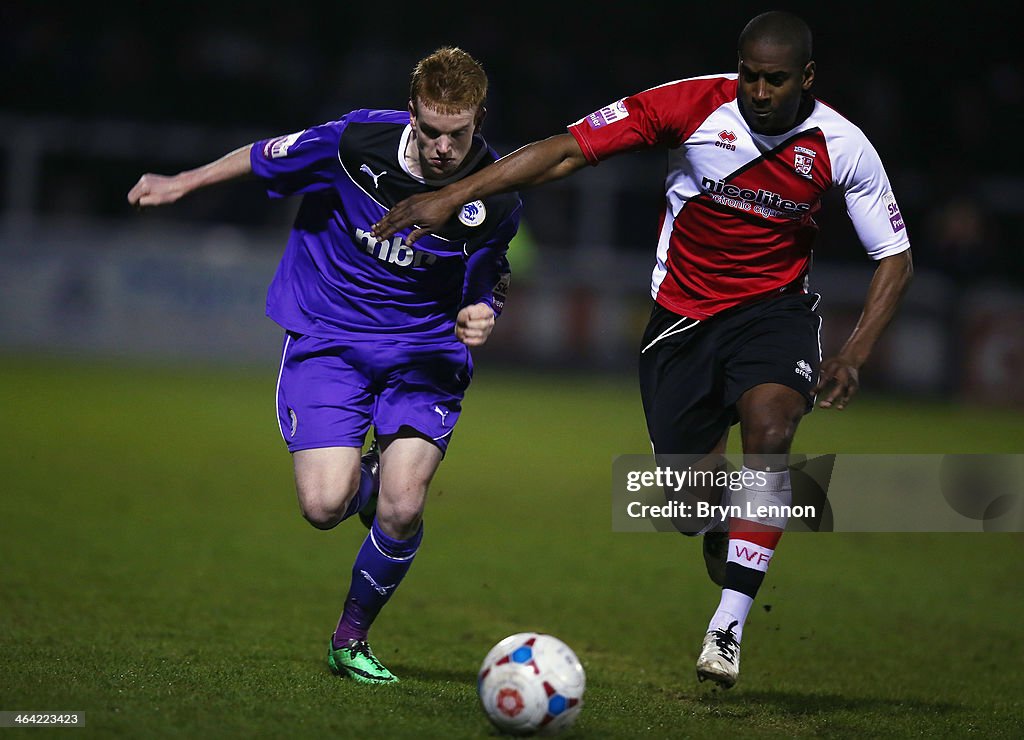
{"x":159,"y":190}
{"x":533,"y":164}
{"x":839,"y":378}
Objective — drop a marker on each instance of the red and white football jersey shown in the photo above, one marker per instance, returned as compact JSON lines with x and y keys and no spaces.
{"x":738,"y":223}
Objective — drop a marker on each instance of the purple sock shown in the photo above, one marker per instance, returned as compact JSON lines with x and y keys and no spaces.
{"x":367,"y":486}
{"x":381,"y":564}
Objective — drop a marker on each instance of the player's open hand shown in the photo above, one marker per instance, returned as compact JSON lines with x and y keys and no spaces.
{"x":428,"y":212}
{"x":474,"y":324}
{"x":155,"y":190}
{"x":838,"y":381}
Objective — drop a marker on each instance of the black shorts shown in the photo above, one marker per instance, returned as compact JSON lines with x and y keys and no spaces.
{"x":692,"y":372}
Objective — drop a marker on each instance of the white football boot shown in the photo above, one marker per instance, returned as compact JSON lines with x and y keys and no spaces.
{"x":719,"y":659}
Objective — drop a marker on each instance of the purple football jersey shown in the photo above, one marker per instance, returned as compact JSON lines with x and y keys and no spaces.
{"x":336,"y":280}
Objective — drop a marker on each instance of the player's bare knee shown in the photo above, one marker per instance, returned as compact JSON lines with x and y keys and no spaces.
{"x":401,"y":520}
{"x":322,"y":514}
{"x":321,"y":520}
{"x":770,"y":438}
{"x":325,"y":482}
{"x":324,"y":506}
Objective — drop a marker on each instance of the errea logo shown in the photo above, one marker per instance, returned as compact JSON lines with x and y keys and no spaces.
{"x":726,"y":140}
{"x":803,"y":369}
{"x":394,"y":251}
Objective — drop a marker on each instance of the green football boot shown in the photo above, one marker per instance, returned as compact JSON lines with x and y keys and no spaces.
{"x":355,"y":660}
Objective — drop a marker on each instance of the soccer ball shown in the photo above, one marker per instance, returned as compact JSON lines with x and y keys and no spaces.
{"x":530,"y":683}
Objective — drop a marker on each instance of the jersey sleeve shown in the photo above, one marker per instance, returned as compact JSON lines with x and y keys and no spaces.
{"x":488,"y":273}
{"x":870,"y":202}
{"x":303,"y":162}
{"x":666,"y":115}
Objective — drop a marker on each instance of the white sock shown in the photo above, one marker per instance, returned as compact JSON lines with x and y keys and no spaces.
{"x":734,"y":607}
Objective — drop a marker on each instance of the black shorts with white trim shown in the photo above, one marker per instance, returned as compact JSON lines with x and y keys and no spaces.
{"x":693,"y":372}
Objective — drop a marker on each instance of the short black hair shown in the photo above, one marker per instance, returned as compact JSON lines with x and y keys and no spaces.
{"x":780,"y":28}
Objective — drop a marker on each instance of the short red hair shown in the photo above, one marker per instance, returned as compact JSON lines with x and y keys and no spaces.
{"x":448,"y":81}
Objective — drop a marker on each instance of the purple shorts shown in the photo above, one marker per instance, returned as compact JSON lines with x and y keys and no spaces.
{"x":330,"y":391}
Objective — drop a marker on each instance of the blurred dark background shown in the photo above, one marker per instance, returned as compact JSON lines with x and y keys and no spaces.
{"x":92,"y":98}
{"x":933,"y":90}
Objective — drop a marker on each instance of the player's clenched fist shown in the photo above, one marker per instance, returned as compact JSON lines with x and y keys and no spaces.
{"x":837,"y":384}
{"x":474,"y":323}
{"x":156,"y":190}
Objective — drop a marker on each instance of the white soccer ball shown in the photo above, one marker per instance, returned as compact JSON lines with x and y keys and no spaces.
{"x":531,"y":683}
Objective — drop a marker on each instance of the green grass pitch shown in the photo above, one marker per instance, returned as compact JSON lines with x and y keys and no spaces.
{"x":156,"y":574}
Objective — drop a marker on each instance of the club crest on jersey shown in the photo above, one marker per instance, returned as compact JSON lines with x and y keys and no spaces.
{"x":608,"y":114}
{"x":277,"y":148}
{"x":473,"y":214}
{"x":803,"y":161}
